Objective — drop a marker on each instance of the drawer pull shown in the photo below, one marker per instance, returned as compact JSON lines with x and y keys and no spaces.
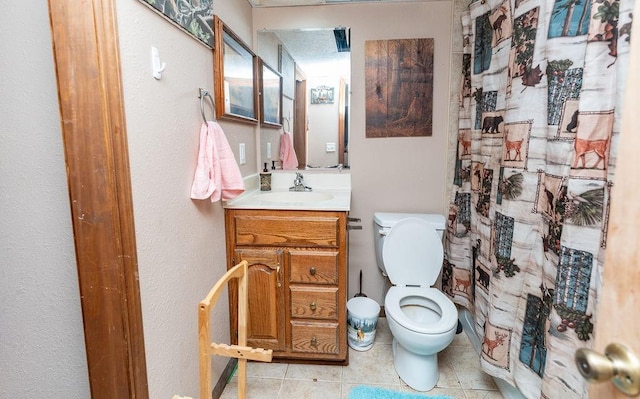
{"x":312,"y":271}
{"x":314,"y":342}
{"x":312,"y":306}
{"x":278,"y":283}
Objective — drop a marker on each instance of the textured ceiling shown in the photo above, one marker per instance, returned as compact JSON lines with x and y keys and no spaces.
{"x":314,"y":49}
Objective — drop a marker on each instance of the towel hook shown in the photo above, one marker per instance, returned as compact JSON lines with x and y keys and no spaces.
{"x":202,"y":93}
{"x":285,"y":119}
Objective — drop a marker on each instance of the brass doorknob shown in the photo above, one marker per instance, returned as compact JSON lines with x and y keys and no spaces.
{"x":618,"y":364}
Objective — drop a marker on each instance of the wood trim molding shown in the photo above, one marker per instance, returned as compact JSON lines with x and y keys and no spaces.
{"x":86,"y":52}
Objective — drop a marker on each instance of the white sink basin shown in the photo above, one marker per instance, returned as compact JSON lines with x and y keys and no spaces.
{"x":296,"y":197}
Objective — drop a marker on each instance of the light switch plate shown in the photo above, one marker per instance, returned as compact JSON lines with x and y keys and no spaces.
{"x":242,"y":154}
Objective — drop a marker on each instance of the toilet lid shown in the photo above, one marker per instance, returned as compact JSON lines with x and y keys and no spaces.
{"x":412,"y":253}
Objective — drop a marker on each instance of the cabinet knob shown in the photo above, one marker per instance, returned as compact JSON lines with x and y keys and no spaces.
{"x":314,"y":342}
{"x":313,"y":306}
{"x":312,"y":271}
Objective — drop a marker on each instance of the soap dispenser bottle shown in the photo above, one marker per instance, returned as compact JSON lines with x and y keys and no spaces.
{"x":265,"y":179}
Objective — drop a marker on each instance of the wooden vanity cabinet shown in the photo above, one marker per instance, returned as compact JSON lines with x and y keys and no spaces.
{"x":297,"y":281}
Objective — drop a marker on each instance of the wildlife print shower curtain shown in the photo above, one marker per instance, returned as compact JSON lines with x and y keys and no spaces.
{"x":540,"y":102}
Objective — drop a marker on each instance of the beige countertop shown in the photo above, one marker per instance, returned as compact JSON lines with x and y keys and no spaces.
{"x":330,"y":192}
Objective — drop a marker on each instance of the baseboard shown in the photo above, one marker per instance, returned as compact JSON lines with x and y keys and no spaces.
{"x":224,"y":377}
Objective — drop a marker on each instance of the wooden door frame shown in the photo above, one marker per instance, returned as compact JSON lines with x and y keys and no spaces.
{"x":300,"y":119}
{"x":617,"y":317}
{"x":87,"y":62}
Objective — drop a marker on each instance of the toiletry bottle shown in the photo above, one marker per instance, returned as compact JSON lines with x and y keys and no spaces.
{"x":265,"y":179}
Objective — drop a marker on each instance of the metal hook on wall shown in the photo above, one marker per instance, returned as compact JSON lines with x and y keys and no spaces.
{"x":202,"y":93}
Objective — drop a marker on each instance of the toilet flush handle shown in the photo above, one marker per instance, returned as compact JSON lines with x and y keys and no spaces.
{"x":383,"y":231}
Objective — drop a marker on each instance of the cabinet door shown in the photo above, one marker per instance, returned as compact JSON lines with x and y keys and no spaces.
{"x":266,"y":310}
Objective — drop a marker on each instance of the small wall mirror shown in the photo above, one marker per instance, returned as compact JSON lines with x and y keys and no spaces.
{"x":270,"y":96}
{"x":236,"y":93}
{"x":315,"y":64}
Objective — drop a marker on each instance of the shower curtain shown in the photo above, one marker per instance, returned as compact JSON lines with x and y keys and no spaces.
{"x":540,"y":103}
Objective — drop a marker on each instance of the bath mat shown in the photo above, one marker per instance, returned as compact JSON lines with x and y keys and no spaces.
{"x":365,"y":392}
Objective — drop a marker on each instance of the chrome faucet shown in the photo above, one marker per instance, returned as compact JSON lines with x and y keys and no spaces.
{"x":298,"y":183}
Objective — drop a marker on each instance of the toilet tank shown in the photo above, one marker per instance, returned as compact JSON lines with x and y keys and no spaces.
{"x":385,"y":220}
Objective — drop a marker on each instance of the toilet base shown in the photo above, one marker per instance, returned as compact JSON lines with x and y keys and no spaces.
{"x":420,"y":372}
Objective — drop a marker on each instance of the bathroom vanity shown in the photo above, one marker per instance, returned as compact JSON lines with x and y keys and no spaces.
{"x":296,"y":246}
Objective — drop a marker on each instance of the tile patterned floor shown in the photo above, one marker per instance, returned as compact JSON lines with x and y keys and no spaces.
{"x":460,"y":374}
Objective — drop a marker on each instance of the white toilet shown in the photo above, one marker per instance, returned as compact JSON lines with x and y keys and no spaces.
{"x":422,"y":319}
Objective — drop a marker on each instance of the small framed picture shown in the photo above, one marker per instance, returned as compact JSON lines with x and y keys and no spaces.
{"x":322,"y":95}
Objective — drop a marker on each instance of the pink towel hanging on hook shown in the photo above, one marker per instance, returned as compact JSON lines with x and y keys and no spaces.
{"x":287,"y":153}
{"x":217,"y":173}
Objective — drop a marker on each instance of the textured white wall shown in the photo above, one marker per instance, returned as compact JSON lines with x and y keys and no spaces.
{"x":388,"y":174}
{"x":180,"y":242}
{"x":41,"y":336}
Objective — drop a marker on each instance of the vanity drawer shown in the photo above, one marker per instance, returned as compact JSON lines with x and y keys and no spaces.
{"x":294,"y":229}
{"x":314,"y":302}
{"x":316,"y":267}
{"x":314,"y":337}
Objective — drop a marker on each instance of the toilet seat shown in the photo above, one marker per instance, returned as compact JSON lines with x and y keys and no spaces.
{"x":448,"y":312}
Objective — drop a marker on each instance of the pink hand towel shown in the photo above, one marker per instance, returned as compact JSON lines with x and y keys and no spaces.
{"x":217,"y":174}
{"x":287,"y":153}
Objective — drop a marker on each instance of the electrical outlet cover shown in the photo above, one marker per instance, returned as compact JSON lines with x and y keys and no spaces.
{"x":242,"y":154}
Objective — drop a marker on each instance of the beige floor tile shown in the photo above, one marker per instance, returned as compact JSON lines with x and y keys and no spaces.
{"x":475,"y":378}
{"x":460,"y":374}
{"x":454,"y":355}
{"x":374,"y":365}
{"x":383,"y":333}
{"x":448,"y":377}
{"x":293,"y":389}
{"x":266,"y":370}
{"x":257,"y":388}
{"x":313,"y":372}
{"x":480,"y":394}
{"x":454,"y":393}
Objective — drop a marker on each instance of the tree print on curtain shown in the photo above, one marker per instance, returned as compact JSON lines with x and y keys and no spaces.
{"x":539,"y":122}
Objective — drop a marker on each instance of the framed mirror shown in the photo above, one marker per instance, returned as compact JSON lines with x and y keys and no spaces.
{"x":316,"y":75}
{"x":235,"y":68}
{"x":270,"y":96}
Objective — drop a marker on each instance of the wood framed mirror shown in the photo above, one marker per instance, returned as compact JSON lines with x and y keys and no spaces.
{"x":270,"y":96}
{"x":235,"y":69}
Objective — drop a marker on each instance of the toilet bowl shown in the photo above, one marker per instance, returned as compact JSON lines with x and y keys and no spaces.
{"x":421,"y":318}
